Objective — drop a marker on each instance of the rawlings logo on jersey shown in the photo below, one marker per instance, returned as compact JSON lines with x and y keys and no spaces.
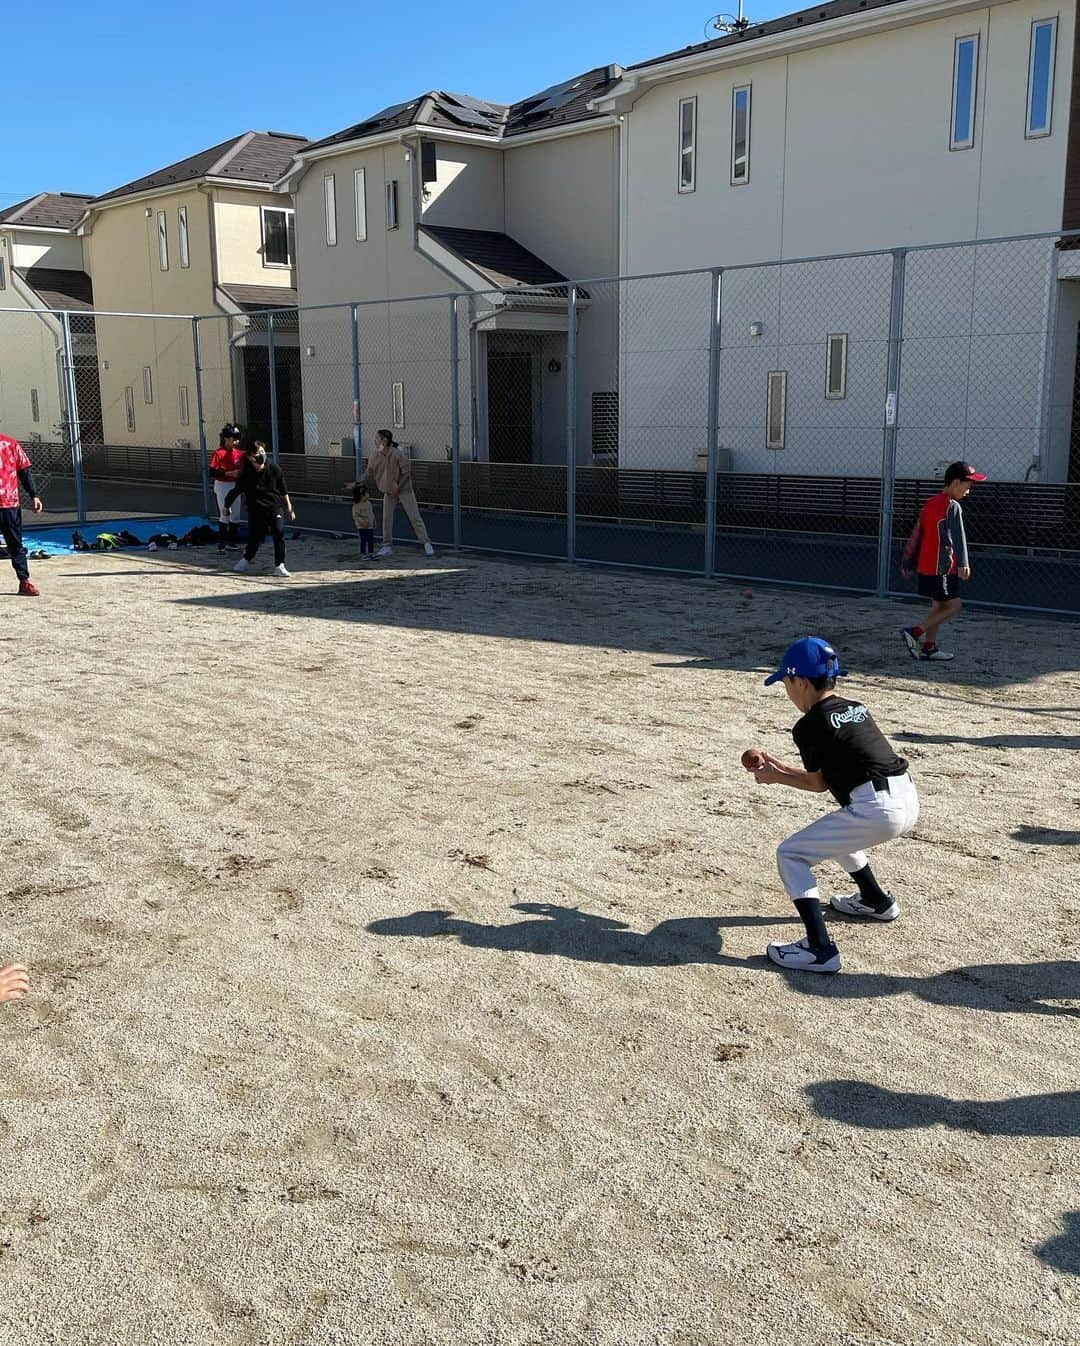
{"x":853,"y":715}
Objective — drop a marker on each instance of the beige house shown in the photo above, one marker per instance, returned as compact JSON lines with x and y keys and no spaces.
{"x":203,"y":236}
{"x":43,"y":270}
{"x":451,"y":195}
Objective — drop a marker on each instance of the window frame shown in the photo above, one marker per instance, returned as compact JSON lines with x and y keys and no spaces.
{"x":360,"y":203}
{"x":129,"y":408}
{"x":776,"y":379}
{"x":290,"y":236}
{"x":687,"y":183}
{"x":148,"y":385}
{"x":734,"y":178}
{"x":839,"y":393}
{"x":429,"y":173}
{"x":398,"y":394}
{"x":956,"y":143}
{"x":163,"y":239}
{"x":393,"y":211}
{"x":183,"y":237}
{"x":3,"y":273}
{"x":183,"y":399}
{"x":330,"y":209}
{"x":35,"y":406}
{"x":1041,"y":134}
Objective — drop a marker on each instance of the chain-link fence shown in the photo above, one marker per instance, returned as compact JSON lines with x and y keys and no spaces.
{"x":782,"y":422}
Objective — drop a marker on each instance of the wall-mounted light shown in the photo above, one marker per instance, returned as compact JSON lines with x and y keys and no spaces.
{"x":149,"y":212}
{"x":408,"y":156}
{"x":309,"y":350}
{"x":756,"y":329}
{"x":554,"y":366}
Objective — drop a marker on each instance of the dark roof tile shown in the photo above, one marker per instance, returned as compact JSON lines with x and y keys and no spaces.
{"x":500,"y":259}
{"x":803,"y":18}
{"x":257,"y":298}
{"x":47,"y":210}
{"x":59,"y":289}
{"x":255,"y":156}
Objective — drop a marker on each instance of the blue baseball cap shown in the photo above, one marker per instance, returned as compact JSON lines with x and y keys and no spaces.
{"x":810,"y":657}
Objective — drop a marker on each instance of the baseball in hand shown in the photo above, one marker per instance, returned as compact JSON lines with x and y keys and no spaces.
{"x":753,"y":759}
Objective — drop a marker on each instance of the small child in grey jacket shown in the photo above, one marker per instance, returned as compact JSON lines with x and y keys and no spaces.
{"x":363,"y":515}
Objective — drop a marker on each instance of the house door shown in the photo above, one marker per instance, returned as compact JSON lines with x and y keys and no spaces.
{"x":510,"y":406}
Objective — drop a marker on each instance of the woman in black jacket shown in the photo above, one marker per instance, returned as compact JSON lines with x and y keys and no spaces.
{"x":262,"y":485}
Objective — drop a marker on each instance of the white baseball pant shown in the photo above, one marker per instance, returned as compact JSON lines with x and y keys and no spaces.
{"x":221,"y":490}
{"x":873,"y":816}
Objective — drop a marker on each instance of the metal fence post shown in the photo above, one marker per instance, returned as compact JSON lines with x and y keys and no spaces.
{"x":892,"y":394}
{"x":713,"y":434}
{"x":74,"y":424}
{"x":455,"y":425}
{"x":357,"y":437}
{"x":571,"y":424}
{"x":204,"y":464}
{"x":275,"y":442}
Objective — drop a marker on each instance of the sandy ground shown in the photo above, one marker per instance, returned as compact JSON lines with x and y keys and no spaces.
{"x":397,"y":937}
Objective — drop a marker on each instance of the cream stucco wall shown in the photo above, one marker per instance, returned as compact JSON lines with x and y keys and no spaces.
{"x":238,"y":230}
{"x":61,"y":251}
{"x":468,"y":189}
{"x":29,"y":360}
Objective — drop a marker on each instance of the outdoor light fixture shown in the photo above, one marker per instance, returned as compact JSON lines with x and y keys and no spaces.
{"x":310,"y":350}
{"x":756,"y":329}
{"x":554,"y":366}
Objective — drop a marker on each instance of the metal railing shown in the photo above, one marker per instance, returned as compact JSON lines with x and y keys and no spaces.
{"x":781,"y":421}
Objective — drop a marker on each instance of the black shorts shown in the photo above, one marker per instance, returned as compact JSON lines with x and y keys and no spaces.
{"x":940,"y":587}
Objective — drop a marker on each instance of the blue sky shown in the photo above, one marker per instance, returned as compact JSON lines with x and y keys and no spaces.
{"x":146,"y":88}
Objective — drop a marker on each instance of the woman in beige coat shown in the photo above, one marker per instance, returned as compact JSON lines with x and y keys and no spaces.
{"x":390,"y":470}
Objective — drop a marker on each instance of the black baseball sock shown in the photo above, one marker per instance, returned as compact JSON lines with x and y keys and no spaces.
{"x":870,"y":890}
{"x":809,"y":908}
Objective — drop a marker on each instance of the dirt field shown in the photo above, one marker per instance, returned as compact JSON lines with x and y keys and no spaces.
{"x":397,"y":947}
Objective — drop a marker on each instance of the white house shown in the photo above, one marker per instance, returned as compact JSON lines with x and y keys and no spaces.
{"x":43,"y":269}
{"x":448,"y":195}
{"x":856,"y":126}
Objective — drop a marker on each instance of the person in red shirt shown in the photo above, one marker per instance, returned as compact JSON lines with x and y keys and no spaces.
{"x":225,"y":465}
{"x":937,"y":552}
{"x":15,"y":470}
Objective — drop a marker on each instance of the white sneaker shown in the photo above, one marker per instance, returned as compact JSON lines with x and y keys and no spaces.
{"x":934,"y":655}
{"x":174,"y":546}
{"x":385,"y":551}
{"x":151,"y":546}
{"x":851,"y":904}
{"x":802,"y":958}
{"x":242,"y":564}
{"x":429,"y":550}
{"x":280,"y":570}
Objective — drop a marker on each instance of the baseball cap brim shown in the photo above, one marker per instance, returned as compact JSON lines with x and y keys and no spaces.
{"x":975,"y":476}
{"x":774,"y":677}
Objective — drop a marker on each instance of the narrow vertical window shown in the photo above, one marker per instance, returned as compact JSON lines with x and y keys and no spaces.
{"x":185,"y":413}
{"x":147,"y":385}
{"x":1040,"y":103}
{"x":360,"y":194}
{"x":965,"y":87}
{"x":129,"y":408}
{"x":429,"y":162}
{"x":740,"y":135}
{"x":3,"y":275}
{"x":391,"y":204}
{"x":35,"y":406}
{"x":163,"y":240}
{"x":399,"y":406}
{"x":182,"y":229}
{"x":330,"y":204}
{"x":687,"y":144}
{"x":836,"y":367}
{"x":776,"y":409}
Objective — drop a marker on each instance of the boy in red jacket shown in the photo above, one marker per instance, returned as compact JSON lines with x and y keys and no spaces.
{"x":937,"y":552}
{"x":15,"y":470}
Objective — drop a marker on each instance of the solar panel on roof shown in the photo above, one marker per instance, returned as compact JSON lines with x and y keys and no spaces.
{"x":388,"y":112}
{"x":467,"y":100}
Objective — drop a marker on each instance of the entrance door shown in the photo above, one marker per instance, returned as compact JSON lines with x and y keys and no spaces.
{"x":510,"y":406}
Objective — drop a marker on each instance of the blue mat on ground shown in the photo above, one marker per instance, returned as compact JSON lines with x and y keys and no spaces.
{"x":57,"y":541}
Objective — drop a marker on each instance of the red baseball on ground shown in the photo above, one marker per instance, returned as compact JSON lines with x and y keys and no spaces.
{"x":753,"y":759}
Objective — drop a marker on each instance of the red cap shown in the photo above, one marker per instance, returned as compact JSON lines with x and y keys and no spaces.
{"x":962,"y":472}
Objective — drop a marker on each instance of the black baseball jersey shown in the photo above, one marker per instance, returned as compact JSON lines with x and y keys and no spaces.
{"x":840,"y":739}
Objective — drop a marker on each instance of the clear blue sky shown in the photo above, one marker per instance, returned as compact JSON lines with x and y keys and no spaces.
{"x":96,"y":99}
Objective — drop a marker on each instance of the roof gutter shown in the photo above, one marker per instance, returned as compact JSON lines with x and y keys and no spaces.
{"x":782,"y":43}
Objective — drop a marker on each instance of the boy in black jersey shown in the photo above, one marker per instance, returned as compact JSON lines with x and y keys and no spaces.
{"x":842,"y":751}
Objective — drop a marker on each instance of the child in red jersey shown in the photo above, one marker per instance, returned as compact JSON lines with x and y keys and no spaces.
{"x":937,"y":552}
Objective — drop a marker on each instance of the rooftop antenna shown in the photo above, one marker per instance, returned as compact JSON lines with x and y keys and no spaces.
{"x":726,"y":24}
